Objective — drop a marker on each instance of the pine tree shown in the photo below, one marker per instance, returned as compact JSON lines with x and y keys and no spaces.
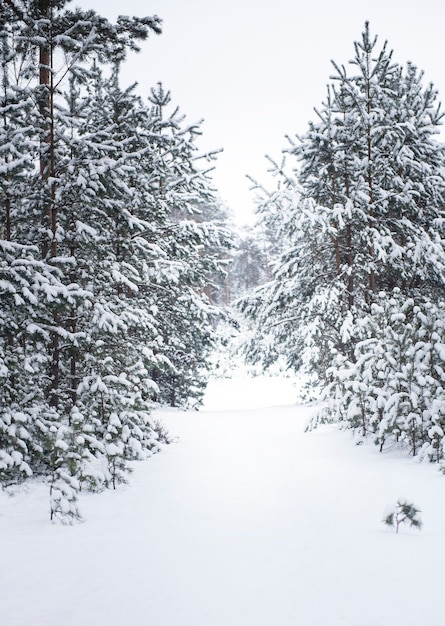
{"x":110,"y":253}
{"x":362,"y":218}
{"x":404,"y":513}
{"x":44,"y":330}
{"x":192,"y":249}
{"x":249,"y":265}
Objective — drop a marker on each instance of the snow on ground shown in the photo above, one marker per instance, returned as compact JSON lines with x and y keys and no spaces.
{"x":244,"y":521}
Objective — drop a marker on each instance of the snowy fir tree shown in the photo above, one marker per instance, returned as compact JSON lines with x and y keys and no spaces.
{"x":356,"y":297}
{"x":194,"y":248}
{"x":104,"y":268}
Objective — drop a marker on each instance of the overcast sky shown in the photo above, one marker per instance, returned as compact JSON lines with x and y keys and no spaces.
{"x":254,"y":69}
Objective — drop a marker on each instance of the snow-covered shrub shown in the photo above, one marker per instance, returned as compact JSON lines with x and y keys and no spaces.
{"x":63,"y":483}
{"x":394,"y":387}
{"x":63,"y":498}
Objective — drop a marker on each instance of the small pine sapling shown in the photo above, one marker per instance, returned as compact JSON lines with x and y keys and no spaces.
{"x":63,"y":484}
{"x":115,"y":452}
{"x":404,"y":513}
{"x":63,"y":498}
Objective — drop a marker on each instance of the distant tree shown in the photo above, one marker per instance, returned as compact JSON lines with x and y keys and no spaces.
{"x":249,"y":266}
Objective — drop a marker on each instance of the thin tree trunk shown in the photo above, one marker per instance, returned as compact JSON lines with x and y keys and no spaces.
{"x":334,"y":194}
{"x":5,"y":82}
{"x":350,"y":254}
{"x":73,"y":362}
{"x":55,"y":366}
{"x":47,"y":151}
{"x":350,"y":264}
{"x":47,"y":173}
{"x":372,"y":285}
{"x":337,"y":255}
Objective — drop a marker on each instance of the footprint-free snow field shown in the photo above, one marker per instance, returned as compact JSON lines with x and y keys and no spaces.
{"x":245,"y":520}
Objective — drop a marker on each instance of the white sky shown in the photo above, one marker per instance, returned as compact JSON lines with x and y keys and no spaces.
{"x":254,"y":69}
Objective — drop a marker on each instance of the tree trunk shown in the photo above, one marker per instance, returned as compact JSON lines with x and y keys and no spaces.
{"x":47,"y":173}
{"x":350,"y":254}
{"x":372,"y":286}
{"x":47,"y":148}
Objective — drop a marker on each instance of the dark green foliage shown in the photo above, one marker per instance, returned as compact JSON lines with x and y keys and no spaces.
{"x":404,"y":513}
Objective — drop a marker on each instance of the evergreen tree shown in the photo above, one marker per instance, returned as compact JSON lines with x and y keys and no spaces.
{"x":109,"y":251}
{"x":193,"y":244}
{"x":44,"y":334}
{"x":404,"y":513}
{"x":362,"y":217}
{"x":249,"y":266}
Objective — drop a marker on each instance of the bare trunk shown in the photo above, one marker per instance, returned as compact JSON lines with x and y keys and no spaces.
{"x":7,"y":234}
{"x":73,"y":362}
{"x":350,"y":264}
{"x":350,"y":254}
{"x":55,"y":367}
{"x":337,"y":255}
{"x":372,"y":285}
{"x":47,"y":173}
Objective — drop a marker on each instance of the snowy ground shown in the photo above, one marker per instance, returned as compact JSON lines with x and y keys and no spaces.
{"x":244,"y":521}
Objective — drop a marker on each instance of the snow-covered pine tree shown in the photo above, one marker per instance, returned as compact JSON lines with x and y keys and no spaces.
{"x":362,"y":212}
{"x":30,"y":286}
{"x":43,"y":332}
{"x":192,"y":246}
{"x":109,"y":252}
